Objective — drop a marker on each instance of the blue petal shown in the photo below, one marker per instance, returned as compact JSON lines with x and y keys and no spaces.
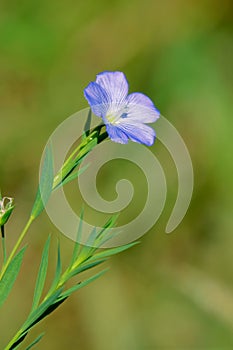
{"x":115,"y":84}
{"x":97,"y":98}
{"x":116,"y":134}
{"x":138,"y":132}
{"x":141,"y":109}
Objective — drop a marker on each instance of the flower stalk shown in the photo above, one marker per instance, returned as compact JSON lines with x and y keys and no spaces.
{"x":3,"y":244}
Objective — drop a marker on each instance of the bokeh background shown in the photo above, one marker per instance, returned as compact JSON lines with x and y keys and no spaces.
{"x":171,"y":291}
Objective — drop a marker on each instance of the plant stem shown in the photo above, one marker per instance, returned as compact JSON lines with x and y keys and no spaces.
{"x":21,"y":237}
{"x":80,"y":151}
{"x":3,"y":244}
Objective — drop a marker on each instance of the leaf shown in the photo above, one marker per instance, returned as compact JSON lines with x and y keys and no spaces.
{"x":46,"y":183}
{"x":10,"y":275}
{"x":72,"y":177}
{"x":54,"y":305}
{"x":109,"y":224}
{"x":89,"y":248}
{"x":73,"y":289}
{"x":104,"y":236}
{"x":92,"y":142}
{"x":58,"y":270}
{"x":85,"y":267}
{"x":35,"y":316}
{"x":35,"y":341}
{"x":78,"y":238}
{"x":112,"y":251}
{"x":17,"y":343}
{"x":41,"y":275}
{"x":87,"y":126}
{"x":50,"y":309}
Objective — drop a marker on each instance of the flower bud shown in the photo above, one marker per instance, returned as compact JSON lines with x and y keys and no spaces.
{"x":6,"y":208}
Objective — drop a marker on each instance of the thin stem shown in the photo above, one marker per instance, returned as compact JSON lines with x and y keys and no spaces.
{"x":21,"y":237}
{"x":58,"y":177}
{"x":13,"y":340}
{"x":78,"y":153}
{"x":3,"y":244}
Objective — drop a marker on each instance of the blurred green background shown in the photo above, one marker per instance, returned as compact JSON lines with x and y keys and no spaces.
{"x":171,"y":291}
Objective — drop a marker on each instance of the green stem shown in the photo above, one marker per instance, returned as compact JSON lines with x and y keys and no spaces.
{"x":79,"y":152}
{"x":13,"y":340}
{"x":21,"y":237}
{"x":3,"y":244}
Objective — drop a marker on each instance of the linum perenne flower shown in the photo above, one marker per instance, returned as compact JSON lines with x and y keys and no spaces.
{"x":6,"y":208}
{"x":124,"y":115}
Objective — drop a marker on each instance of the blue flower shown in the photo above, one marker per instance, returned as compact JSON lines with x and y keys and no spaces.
{"x":124,"y":115}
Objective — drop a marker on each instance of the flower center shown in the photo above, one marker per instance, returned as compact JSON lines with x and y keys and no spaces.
{"x":114,"y":117}
{"x":111,"y":118}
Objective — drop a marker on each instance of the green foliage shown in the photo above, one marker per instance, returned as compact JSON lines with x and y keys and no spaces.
{"x":41,"y":275}
{"x":10,"y":275}
{"x":109,"y":252}
{"x":73,"y":175}
{"x":83,"y":258}
{"x":35,"y":341}
{"x":73,"y":289}
{"x":58,"y":270}
{"x":77,"y":246}
{"x":46,"y":183}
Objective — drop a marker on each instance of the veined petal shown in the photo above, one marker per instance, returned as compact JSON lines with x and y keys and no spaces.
{"x":97,"y":98}
{"x":115,"y":84}
{"x":116,"y":134}
{"x":141,"y":109}
{"x":138,"y":132}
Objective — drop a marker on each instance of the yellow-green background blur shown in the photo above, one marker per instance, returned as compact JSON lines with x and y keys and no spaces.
{"x":171,"y":291}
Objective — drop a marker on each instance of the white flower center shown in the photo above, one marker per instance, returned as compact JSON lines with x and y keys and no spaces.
{"x":114,"y":115}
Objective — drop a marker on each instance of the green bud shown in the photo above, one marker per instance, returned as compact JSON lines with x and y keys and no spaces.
{"x":6,"y":208}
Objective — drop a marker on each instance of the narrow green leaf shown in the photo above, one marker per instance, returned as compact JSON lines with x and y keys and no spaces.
{"x":108,"y":225}
{"x":72,"y":176}
{"x":46,"y":183}
{"x":112,"y":251}
{"x":106,"y":237}
{"x":58,"y":270}
{"x":106,"y":233}
{"x":18,"y":342}
{"x":10,"y":275}
{"x":87,"y":126}
{"x":90,"y":246}
{"x":85,"y":267}
{"x":35,"y":316}
{"x":78,"y":238}
{"x":73,"y":289}
{"x":88,"y":147}
{"x":91,"y":238}
{"x":48,"y":311}
{"x":41,"y":275}
{"x":44,"y":314}
{"x":35,"y":341}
